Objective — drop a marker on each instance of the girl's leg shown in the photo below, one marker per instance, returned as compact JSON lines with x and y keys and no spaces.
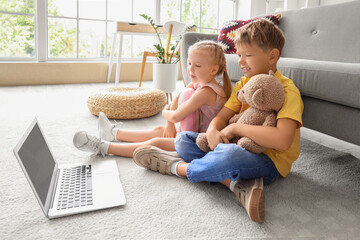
{"x":127,"y":149}
{"x":139,"y":136}
{"x":108,"y":131}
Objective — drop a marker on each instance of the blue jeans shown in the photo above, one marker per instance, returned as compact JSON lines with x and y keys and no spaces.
{"x":226,"y":161}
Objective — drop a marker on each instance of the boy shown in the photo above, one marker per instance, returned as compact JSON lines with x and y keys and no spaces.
{"x":259,"y":46}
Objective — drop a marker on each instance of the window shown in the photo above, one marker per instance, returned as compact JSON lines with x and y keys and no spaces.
{"x":17,"y":29}
{"x":208,"y":15}
{"x":83,"y":29}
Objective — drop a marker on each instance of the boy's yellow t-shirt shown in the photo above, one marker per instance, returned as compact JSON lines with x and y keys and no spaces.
{"x":292,"y":108}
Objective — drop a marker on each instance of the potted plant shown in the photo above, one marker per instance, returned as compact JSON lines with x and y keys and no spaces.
{"x":165,"y":70}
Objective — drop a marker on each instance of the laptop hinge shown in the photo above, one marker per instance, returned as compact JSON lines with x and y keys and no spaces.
{"x":54,"y":189}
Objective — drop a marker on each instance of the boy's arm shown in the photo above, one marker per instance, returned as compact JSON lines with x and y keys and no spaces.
{"x":214,"y":134}
{"x":280,"y":137}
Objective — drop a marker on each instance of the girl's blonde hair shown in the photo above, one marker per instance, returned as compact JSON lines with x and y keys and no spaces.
{"x":217,"y":54}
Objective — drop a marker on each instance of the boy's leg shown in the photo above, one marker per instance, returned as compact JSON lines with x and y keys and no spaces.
{"x":108,"y":131}
{"x":165,"y":162}
{"x":250,"y":193}
{"x":227,"y":162}
{"x":230,"y":161}
{"x":185,"y":146}
{"x":247,"y":172}
{"x":156,"y":159}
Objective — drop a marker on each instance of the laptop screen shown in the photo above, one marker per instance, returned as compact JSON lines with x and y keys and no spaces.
{"x":36,"y":157}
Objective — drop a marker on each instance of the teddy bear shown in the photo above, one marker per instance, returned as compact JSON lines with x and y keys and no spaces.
{"x":265,"y":96}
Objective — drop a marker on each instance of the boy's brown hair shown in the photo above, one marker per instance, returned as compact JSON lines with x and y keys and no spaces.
{"x":263,"y":33}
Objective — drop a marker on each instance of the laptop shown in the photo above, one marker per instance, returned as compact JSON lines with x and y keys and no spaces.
{"x":66,"y":189}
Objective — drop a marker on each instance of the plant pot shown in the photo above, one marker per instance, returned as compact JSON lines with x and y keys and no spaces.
{"x":165,"y":76}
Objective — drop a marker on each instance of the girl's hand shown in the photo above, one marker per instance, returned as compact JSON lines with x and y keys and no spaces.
{"x":170,"y":130}
{"x":215,"y":137}
{"x":168,"y":115}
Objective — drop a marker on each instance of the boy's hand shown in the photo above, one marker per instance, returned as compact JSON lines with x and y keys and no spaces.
{"x":215,"y":137}
{"x":169,"y":130}
{"x":229,"y":131}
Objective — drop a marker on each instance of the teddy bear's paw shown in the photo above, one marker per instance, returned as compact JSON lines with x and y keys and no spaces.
{"x":235,"y":140}
{"x":202,"y":143}
{"x":250,"y":145}
{"x":234,"y":118}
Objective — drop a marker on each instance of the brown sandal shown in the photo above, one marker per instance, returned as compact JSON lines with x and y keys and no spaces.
{"x":155,"y":159}
{"x":250,"y":194}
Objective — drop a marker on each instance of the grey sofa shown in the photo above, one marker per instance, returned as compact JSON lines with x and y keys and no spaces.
{"x":322,"y":56}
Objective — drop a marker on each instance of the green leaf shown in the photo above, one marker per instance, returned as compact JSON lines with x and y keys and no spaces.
{"x":144,"y":16}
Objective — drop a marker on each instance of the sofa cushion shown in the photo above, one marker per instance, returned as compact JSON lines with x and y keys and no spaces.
{"x":331,"y":81}
{"x":327,"y":33}
{"x":228,"y":31}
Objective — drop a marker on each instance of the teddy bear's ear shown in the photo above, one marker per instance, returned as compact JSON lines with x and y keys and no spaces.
{"x":258,"y":98}
{"x":271,"y":72}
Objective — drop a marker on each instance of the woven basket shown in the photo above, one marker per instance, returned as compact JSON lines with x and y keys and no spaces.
{"x":127,"y":103}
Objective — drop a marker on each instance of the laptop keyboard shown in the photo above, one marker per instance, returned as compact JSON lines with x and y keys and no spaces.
{"x":76,"y":188}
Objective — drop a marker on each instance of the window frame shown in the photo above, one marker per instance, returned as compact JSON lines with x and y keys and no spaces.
{"x":41,"y":31}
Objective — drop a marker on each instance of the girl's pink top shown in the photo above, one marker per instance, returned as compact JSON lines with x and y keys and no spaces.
{"x":208,"y":112}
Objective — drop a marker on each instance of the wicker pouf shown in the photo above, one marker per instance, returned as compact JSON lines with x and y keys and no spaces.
{"x":127,"y":103}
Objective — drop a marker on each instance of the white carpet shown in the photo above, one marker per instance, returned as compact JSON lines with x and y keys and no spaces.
{"x":318,"y":200}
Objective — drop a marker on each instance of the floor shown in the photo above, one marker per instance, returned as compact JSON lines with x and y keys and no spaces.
{"x":318,"y":200}
{"x":330,"y":142}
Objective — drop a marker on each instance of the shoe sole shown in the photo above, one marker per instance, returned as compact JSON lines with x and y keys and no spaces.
{"x":100,"y":118}
{"x":75,"y":142}
{"x":145,"y":154}
{"x":257,"y":205}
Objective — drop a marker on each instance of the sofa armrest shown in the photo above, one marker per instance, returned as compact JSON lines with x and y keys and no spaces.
{"x":189,"y":39}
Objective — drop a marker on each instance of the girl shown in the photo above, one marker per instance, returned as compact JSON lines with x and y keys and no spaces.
{"x":206,"y":60}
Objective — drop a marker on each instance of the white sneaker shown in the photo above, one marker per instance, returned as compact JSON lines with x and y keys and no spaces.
{"x":88,"y":143}
{"x":105,"y":128}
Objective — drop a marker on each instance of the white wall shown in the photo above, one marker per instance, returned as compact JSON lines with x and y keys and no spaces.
{"x":243,"y":9}
{"x":328,"y":2}
{"x":252,"y":8}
